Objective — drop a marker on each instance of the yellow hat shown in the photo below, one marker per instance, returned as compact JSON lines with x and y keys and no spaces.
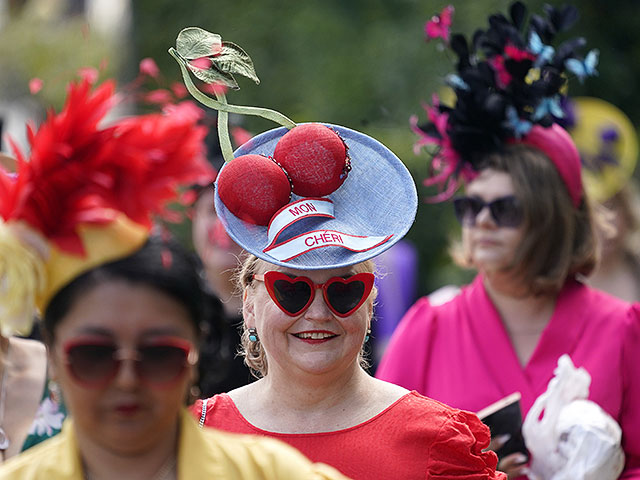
{"x":608,"y":145}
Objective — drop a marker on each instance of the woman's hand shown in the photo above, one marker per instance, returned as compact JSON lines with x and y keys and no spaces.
{"x":514,"y":464}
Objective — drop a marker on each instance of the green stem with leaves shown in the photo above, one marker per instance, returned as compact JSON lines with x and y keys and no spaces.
{"x":224,"y":108}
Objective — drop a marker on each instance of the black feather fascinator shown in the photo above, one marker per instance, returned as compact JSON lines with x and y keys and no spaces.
{"x":508,"y":79}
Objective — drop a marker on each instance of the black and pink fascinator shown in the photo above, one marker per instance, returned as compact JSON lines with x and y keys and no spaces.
{"x":508,"y":85}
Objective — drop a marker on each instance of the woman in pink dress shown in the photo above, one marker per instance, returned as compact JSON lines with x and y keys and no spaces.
{"x":528,"y":230}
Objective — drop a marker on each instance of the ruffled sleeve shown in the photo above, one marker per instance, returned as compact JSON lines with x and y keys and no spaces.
{"x":457,"y":452}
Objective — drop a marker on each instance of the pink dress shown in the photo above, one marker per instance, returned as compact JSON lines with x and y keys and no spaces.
{"x":460,"y":353}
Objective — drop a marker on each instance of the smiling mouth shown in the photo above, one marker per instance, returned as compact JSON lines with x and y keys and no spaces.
{"x":314,"y":335}
{"x":486,"y":241}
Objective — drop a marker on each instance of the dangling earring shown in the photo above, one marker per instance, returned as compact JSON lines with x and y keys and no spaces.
{"x":54,"y":391}
{"x":253,"y":335}
{"x":367,"y":336}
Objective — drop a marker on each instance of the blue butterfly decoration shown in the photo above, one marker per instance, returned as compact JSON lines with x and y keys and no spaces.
{"x":548,"y":105}
{"x":455,"y":81}
{"x":520,"y":127}
{"x":583,"y":68}
{"x":544,"y":52}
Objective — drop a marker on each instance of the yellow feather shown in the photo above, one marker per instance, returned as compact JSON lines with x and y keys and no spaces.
{"x":22,"y":278}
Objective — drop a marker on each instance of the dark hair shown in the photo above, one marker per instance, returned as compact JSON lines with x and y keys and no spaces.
{"x":161,"y":263}
{"x":560,"y":240}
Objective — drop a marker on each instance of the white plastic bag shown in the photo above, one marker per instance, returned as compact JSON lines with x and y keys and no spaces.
{"x":568,"y":436}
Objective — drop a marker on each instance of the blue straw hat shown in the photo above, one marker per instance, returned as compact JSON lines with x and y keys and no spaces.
{"x":373,"y":209}
{"x":367,"y":199}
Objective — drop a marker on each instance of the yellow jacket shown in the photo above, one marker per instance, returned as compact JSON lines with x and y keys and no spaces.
{"x":202,"y":454}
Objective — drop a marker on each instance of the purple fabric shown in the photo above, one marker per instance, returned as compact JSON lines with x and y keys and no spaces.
{"x":397,"y":288}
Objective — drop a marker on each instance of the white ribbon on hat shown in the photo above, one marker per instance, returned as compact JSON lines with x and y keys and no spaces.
{"x":305,"y":242}
{"x":294,"y":211}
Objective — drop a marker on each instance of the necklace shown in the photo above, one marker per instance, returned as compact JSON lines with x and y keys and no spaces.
{"x":4,"y":439}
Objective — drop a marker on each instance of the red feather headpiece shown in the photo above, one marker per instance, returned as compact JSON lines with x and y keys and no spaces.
{"x":81,"y":175}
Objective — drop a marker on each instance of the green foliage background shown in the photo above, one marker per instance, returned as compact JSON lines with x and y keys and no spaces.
{"x":50,"y":47}
{"x":364,"y":64}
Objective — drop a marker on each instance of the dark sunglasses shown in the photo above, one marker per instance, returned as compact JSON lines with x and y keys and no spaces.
{"x":293,"y":296}
{"x":95,"y":363}
{"x":505,"y":211}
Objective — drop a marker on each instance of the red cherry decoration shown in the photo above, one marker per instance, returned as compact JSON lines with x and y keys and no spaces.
{"x":253,"y":188}
{"x":314,"y":157}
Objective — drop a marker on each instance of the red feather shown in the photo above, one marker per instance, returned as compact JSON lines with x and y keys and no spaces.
{"x":79,"y":172}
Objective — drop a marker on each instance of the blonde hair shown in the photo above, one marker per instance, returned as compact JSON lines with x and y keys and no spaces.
{"x":627,"y":203}
{"x":253,"y":352}
{"x":559,"y":240}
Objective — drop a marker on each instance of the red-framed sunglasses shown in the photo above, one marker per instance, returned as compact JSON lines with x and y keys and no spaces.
{"x":293,"y":295}
{"x":94,"y":363}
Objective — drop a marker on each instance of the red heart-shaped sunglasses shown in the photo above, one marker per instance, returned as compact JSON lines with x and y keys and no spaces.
{"x":293,"y":295}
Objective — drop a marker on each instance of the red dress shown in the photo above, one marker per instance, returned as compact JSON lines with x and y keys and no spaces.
{"x":414,"y":438}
